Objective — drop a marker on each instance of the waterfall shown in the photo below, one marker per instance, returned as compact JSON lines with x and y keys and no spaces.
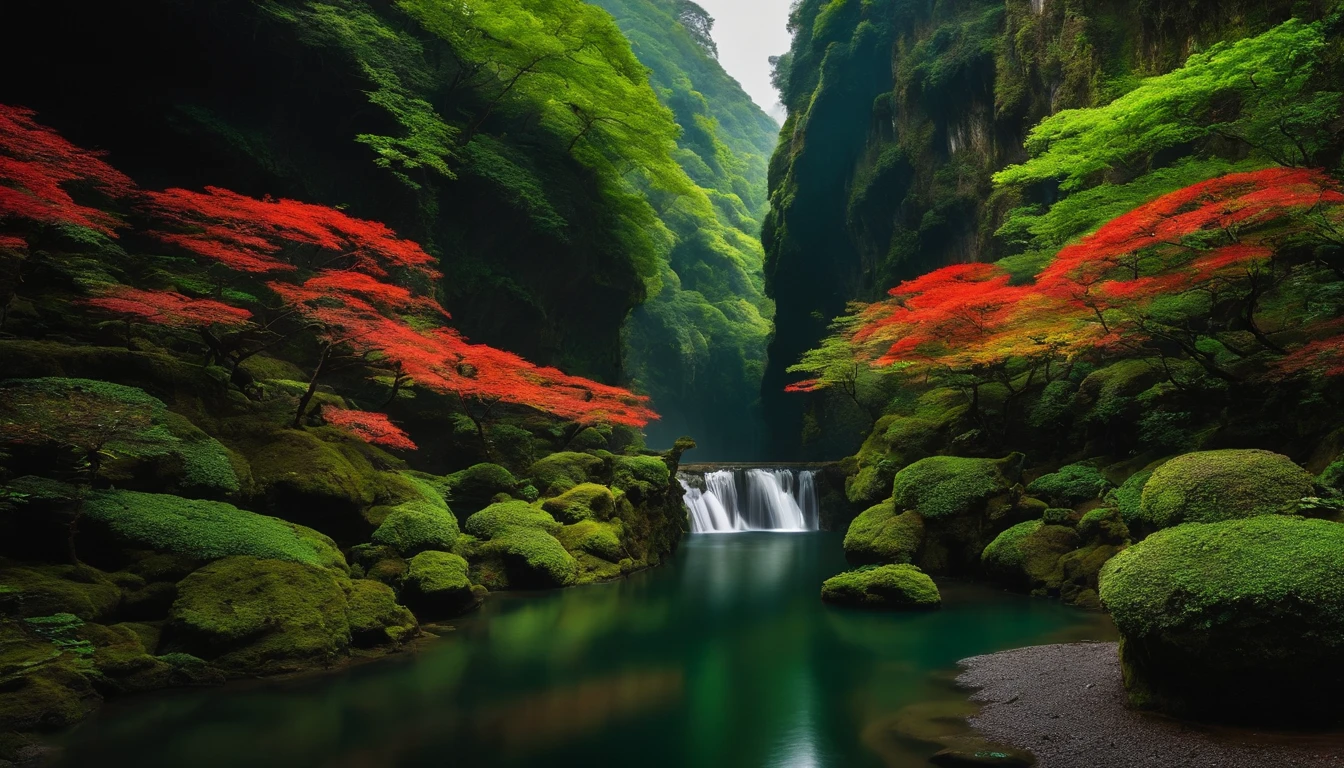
{"x":775,"y":500}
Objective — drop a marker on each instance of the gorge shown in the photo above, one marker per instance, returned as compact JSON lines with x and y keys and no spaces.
{"x":497,"y":382}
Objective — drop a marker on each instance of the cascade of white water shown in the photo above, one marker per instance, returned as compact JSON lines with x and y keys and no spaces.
{"x":776,"y":500}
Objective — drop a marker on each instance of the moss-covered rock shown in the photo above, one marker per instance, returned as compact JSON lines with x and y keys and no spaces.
{"x":1071,"y":484}
{"x":508,"y":515}
{"x":44,"y":590}
{"x":1211,"y":486}
{"x":880,"y":535}
{"x":640,"y":475}
{"x":884,"y":586}
{"x":561,"y":471}
{"x":322,"y":484}
{"x":894,"y":442}
{"x":1242,"y":619}
{"x":1027,"y":555}
{"x":947,"y":486}
{"x":250,"y":616}
{"x":589,"y":439}
{"x":375,"y":617}
{"x":586,"y":501}
{"x":595,"y":538}
{"x":533,"y":558}
{"x":206,"y":530}
{"x":470,"y":490}
{"x":1128,"y":497}
{"x":419,"y":523}
{"x":42,"y":685}
{"x":436,"y":584}
{"x":1060,"y":516}
{"x":1103,"y":526}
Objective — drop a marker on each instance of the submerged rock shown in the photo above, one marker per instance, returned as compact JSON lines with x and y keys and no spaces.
{"x":886,"y":586}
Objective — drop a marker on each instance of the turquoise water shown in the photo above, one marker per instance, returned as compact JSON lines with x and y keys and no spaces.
{"x":726,"y":657}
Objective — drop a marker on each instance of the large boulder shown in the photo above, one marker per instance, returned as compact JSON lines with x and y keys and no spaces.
{"x":640,"y":476}
{"x":1212,"y":486}
{"x":1239,"y":620}
{"x":894,"y":442}
{"x":471,"y":490}
{"x":254,"y":616}
{"x":204,"y":530}
{"x":586,"y":501}
{"x":1027,"y":556}
{"x":881,"y":535}
{"x":325,"y":484}
{"x":375,"y":616}
{"x":422,"y":521}
{"x":1070,"y":485}
{"x":43,"y":590}
{"x":533,"y":558}
{"x":561,"y":471}
{"x":884,"y":586}
{"x":509,"y":515}
{"x":436,"y":584}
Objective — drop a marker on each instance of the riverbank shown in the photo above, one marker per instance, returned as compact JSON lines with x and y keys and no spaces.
{"x":1066,"y":704}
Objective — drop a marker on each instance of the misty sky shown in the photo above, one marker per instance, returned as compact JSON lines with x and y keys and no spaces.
{"x":748,"y":33}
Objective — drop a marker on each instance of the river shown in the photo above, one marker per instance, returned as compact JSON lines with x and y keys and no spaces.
{"x":724,"y":657}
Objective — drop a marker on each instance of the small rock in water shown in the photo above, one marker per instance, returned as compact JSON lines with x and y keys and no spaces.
{"x":1003,"y":757}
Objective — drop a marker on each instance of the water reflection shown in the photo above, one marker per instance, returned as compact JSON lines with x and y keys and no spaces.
{"x":725,"y":658}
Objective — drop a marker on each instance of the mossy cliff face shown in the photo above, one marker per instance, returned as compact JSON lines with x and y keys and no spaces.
{"x":1240,"y":620}
{"x":899,"y":116}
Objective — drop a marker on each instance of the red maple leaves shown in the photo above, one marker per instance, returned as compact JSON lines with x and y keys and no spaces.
{"x":36,"y":166}
{"x":373,"y":428}
{"x":168,"y":308}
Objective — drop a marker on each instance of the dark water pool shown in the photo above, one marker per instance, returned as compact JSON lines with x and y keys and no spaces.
{"x":724,"y":658}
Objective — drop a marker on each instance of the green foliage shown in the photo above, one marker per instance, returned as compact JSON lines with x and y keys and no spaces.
{"x":1027,"y":555}
{"x":561,"y":471}
{"x":500,"y":518}
{"x":471,"y":489}
{"x":1071,"y":484}
{"x":1212,"y":486}
{"x":1274,"y":76}
{"x":887,"y":586}
{"x":415,"y":526}
{"x":437,"y":582}
{"x":881,"y":535}
{"x":948,"y":486}
{"x":375,"y":617}
{"x":207,"y":530}
{"x":595,"y":538}
{"x":647,"y":474}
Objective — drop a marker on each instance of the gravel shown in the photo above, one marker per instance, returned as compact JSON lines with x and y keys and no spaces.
{"x":1066,"y":704}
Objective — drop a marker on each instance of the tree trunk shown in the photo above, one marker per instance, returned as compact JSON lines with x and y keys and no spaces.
{"x":312,"y":387}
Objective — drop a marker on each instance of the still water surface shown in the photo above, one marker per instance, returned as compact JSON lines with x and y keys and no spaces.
{"x":724,"y":658}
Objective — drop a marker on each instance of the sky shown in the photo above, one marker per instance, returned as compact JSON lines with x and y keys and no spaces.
{"x":748,"y":33}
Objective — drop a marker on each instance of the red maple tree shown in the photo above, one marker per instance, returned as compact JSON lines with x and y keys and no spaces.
{"x":372,"y":428}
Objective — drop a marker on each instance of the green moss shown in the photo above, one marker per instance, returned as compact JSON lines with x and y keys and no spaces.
{"x":44,"y":590}
{"x":1128,"y":498}
{"x":295,"y":467}
{"x":1108,"y":394}
{"x":1105,"y":525}
{"x":947,"y":486}
{"x":497,"y":518}
{"x":533,"y":558}
{"x":894,"y":442}
{"x":415,"y":526}
{"x":44,"y":688}
{"x":1070,"y":485}
{"x":1237,"y":619}
{"x":375,"y":617}
{"x":559,"y":472}
{"x":587,"y":501}
{"x":640,"y":474}
{"x":880,"y":535}
{"x":1060,"y":516}
{"x":1027,"y":555}
{"x":886,"y":586}
{"x":598,"y":539}
{"x":589,"y":439}
{"x":254,"y":616}
{"x":470,"y":490}
{"x":1210,"y":486}
{"x":207,"y":530}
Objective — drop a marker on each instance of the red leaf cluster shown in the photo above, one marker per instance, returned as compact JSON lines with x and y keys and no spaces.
{"x":372,"y":428}
{"x":37,"y":166}
{"x":168,"y":308}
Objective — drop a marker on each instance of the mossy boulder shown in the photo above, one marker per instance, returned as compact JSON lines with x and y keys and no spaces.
{"x":375,"y":617}
{"x":1103,"y":526}
{"x":1070,"y":485}
{"x":1212,"y":486}
{"x":595,"y":538}
{"x":881,"y":535}
{"x":589,"y":439}
{"x":44,"y":590}
{"x":1060,"y":516}
{"x":894,"y":442}
{"x":561,"y":471}
{"x":205,"y":530}
{"x":436,"y":584}
{"x":417,"y":524}
{"x":470,"y":490}
{"x":941,"y":487}
{"x":1128,"y":497}
{"x":885,"y":586}
{"x":533,"y":558}
{"x":586,"y":501}
{"x":324,"y":485}
{"x":640,"y":476}
{"x":1239,"y":620}
{"x":1027,"y":556}
{"x":508,"y":515}
{"x":253,"y":616}
{"x":42,"y":682}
